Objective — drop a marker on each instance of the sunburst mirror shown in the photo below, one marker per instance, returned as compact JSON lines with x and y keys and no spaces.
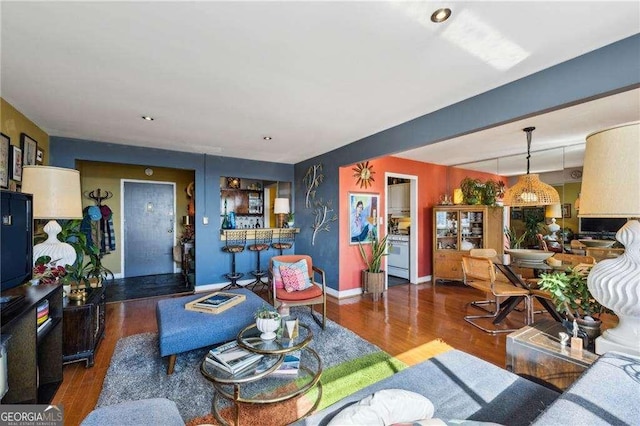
{"x":364,"y":174}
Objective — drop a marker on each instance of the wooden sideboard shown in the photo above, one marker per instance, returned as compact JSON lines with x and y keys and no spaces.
{"x":84,"y":322}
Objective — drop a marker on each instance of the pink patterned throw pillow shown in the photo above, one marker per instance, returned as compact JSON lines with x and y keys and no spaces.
{"x":295,"y":276}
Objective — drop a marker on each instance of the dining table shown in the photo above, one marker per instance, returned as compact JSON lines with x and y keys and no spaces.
{"x":512,"y":270}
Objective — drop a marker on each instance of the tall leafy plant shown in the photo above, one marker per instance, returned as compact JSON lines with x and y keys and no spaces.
{"x":88,"y":262}
{"x":378,"y":250}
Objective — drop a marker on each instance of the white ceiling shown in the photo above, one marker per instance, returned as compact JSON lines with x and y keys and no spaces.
{"x":219,"y":76}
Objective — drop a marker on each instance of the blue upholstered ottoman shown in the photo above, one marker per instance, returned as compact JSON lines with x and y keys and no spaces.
{"x":180,"y":330}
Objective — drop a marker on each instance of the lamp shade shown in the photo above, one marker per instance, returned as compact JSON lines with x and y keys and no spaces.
{"x":281,"y":206}
{"x":531,"y":191}
{"x":56,"y":192}
{"x":611,"y":173}
{"x":552,"y":211}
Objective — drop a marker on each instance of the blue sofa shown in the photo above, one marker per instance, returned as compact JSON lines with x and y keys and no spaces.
{"x":462,"y":386}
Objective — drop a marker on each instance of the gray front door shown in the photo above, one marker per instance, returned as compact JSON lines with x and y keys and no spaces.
{"x":148,"y":228}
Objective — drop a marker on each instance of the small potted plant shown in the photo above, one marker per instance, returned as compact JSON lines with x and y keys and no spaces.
{"x":373,"y":275}
{"x":290,"y":219}
{"x":267,"y":321}
{"x":571,"y":296}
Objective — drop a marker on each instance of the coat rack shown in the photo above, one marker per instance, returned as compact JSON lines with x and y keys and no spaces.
{"x":99,"y":195}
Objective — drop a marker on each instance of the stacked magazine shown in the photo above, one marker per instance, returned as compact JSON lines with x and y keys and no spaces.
{"x":232,"y":358}
{"x":289,"y":367}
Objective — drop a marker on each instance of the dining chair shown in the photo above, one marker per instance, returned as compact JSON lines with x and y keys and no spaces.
{"x":480,"y":273}
{"x":487,"y":253}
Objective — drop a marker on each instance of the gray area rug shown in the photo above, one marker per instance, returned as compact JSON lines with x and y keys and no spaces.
{"x":137,"y":371}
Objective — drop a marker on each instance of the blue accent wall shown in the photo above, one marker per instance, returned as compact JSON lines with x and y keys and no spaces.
{"x":613,"y":68}
{"x":211,"y":262}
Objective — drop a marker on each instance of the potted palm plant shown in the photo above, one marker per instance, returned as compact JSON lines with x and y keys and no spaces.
{"x":373,"y":275}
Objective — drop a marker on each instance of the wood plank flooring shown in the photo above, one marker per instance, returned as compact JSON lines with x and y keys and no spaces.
{"x":406,"y":318}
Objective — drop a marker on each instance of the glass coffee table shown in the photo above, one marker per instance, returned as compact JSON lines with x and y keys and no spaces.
{"x":256,"y":384}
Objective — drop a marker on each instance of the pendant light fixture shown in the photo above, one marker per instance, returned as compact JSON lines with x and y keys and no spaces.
{"x":529,"y":190}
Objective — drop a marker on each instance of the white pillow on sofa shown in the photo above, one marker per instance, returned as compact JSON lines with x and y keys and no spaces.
{"x":385,"y":407}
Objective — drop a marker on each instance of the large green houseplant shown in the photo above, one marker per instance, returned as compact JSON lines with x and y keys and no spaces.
{"x":88,"y":266}
{"x":373,"y":275}
{"x":571,"y":297}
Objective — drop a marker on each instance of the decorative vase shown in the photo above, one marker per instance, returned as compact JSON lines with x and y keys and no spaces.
{"x":268,"y":326}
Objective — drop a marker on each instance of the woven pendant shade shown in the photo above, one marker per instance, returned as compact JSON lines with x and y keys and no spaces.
{"x":530,"y":191}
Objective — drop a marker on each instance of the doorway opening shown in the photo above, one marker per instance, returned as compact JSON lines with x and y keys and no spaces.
{"x":401,"y":193}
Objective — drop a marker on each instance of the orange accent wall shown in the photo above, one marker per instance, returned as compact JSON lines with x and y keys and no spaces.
{"x":433,"y":181}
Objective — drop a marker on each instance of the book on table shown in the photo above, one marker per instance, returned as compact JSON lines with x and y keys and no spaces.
{"x":215,"y":303}
{"x":289,"y":367}
{"x":232,"y":358}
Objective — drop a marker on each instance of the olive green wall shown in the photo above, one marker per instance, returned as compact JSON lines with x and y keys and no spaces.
{"x":108,"y":176}
{"x":13,"y":123}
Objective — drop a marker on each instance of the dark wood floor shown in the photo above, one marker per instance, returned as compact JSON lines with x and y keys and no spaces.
{"x":122,"y":289}
{"x":408,"y":317}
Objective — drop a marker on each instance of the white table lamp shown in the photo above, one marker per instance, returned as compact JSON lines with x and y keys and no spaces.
{"x":56,"y":195}
{"x":610,"y":182}
{"x":281,"y":208}
{"x":551,"y":212}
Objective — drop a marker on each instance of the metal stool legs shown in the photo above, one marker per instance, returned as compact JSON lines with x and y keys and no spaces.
{"x":235,"y":242}
{"x":262,"y":242}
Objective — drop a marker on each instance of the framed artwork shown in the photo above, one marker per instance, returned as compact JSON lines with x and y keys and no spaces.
{"x":15,"y":163}
{"x":5,"y":142}
{"x":29,"y":147}
{"x":516,"y":213}
{"x":39,"y":156}
{"x":566,"y":211}
{"x":363,"y":217}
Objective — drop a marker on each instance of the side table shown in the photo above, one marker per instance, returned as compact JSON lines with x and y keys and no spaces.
{"x":83,"y":326}
{"x":252,"y":387}
{"x":534,"y":351}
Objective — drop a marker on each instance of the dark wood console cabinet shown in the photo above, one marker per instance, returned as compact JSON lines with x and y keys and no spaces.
{"x":34,"y":359}
{"x":83,"y":326}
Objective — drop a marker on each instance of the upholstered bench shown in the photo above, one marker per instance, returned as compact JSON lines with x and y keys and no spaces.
{"x":181,"y":330}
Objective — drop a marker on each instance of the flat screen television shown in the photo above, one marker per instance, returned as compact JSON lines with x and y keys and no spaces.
{"x":16,"y":239}
{"x":601,"y":226}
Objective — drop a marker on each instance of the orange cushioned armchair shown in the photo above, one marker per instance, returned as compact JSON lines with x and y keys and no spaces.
{"x":316,"y":294}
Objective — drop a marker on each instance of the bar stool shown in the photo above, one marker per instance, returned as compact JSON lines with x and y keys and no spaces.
{"x":285,"y":239}
{"x":235,"y":242}
{"x":262,"y":242}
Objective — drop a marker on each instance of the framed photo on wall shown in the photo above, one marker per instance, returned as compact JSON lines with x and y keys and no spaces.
{"x":39,"y":156}
{"x":566,"y":211}
{"x":516,"y":213}
{"x":363,"y":217}
{"x":5,"y":142}
{"x":15,"y":163}
{"x":29,"y":150}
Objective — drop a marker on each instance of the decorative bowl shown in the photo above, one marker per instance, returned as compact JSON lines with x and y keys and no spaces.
{"x":528,"y":255}
{"x":598,"y":243}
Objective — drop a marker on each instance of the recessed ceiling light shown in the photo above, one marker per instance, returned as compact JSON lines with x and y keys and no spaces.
{"x":148,"y":118}
{"x":267,"y":138}
{"x":441,"y":15}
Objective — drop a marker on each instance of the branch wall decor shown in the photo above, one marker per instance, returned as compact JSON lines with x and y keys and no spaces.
{"x":312,"y":179}
{"x":323,"y":215}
